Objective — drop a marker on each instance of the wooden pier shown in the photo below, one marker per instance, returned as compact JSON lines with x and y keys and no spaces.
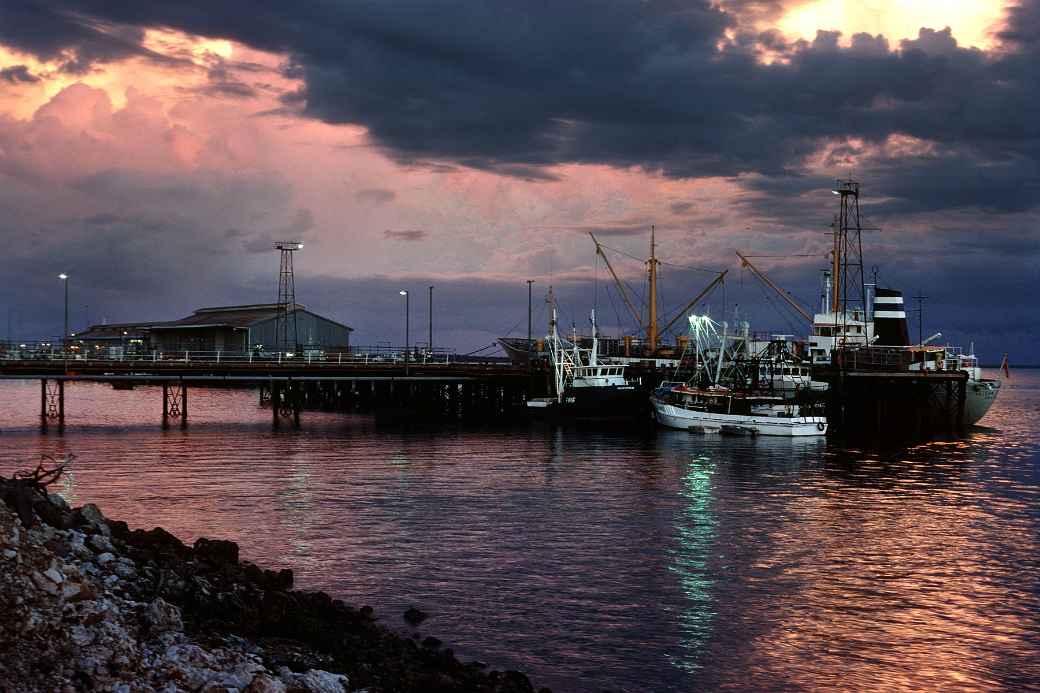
{"x":433,"y":392}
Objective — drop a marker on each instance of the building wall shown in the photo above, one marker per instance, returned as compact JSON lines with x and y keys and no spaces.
{"x":199,"y":339}
{"x":313,"y":331}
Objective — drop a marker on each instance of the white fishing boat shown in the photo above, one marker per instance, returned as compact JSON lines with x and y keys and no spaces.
{"x":704,"y":405}
{"x":706,"y":411}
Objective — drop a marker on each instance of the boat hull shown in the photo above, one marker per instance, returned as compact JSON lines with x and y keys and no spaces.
{"x":617,"y":404}
{"x":686,"y":419}
{"x":979,"y":397}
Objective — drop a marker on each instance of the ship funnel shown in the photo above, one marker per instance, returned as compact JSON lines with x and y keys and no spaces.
{"x":890,"y":326}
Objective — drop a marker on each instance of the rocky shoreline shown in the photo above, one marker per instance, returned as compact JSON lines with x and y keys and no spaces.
{"x":88,"y":604}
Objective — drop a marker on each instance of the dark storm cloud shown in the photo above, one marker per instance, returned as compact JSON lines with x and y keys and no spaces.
{"x":18,"y":74}
{"x":516,"y":87}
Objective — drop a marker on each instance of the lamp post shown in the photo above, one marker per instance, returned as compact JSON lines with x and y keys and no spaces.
{"x":65,"y":334}
{"x":529,"y":283}
{"x":429,"y":336}
{"x":407,"y":327}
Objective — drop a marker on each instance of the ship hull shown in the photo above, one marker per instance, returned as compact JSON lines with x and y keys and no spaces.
{"x":618,"y":404}
{"x":979,"y":397}
{"x":671,"y":416}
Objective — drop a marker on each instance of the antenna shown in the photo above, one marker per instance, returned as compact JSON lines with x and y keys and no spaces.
{"x":284,"y":327}
{"x":920,"y":318}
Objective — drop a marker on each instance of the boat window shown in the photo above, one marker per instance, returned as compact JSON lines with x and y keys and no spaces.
{"x":822,"y":331}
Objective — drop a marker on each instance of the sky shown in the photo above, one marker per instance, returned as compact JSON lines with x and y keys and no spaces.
{"x":155,"y":151}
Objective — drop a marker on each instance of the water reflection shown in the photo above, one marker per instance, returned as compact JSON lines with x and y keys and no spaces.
{"x":695,"y":532}
{"x":598,"y":560}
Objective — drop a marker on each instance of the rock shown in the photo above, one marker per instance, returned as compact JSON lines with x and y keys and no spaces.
{"x":105,"y":558}
{"x":51,"y":513}
{"x":414,"y":616}
{"x":81,"y":635}
{"x":313,"y":681}
{"x":262,"y":683}
{"x":57,"y":501}
{"x":91,"y":516}
{"x":10,"y":553}
{"x":123,"y":570}
{"x":431,"y":643}
{"x":162,"y":616}
{"x":100,"y":543}
{"x":280,"y":580}
{"x":44,"y":583}
{"x":217,"y":551}
{"x":54,"y":576}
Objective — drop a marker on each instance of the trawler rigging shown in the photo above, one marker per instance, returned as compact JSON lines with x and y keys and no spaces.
{"x":650,"y":326}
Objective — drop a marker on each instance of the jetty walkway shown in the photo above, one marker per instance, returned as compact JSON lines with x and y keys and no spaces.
{"x":441,"y":384}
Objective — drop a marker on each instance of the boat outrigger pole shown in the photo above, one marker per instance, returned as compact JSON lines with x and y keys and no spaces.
{"x":620,"y":284}
{"x":744,"y":262}
{"x":697,"y":299}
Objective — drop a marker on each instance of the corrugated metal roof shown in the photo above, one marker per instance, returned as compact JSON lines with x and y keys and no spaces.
{"x":219,"y":316}
{"x":115,"y":331}
{"x":233,"y":316}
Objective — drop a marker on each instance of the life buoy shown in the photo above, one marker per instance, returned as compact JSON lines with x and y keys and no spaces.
{"x":820,"y":426}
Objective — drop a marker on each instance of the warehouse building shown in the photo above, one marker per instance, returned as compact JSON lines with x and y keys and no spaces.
{"x":226,"y":328}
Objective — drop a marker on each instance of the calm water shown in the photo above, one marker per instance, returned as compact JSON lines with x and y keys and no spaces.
{"x":593,"y":561}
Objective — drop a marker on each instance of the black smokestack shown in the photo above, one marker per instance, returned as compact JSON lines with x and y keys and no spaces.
{"x":890,"y":318}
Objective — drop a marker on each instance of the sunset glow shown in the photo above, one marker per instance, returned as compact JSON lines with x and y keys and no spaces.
{"x":971,"y":21}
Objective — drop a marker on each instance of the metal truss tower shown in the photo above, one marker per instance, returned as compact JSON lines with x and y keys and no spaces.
{"x":848,"y":255}
{"x":286,"y":335}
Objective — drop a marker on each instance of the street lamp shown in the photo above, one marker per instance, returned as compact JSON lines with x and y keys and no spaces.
{"x":407,"y":326}
{"x":429,"y":337}
{"x":65,"y":334}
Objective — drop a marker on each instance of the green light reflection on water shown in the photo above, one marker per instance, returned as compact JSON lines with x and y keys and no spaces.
{"x":695,"y":530}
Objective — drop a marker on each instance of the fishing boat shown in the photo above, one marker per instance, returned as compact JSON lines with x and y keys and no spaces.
{"x":720,"y":410}
{"x":586,"y":385}
{"x":709,"y":402}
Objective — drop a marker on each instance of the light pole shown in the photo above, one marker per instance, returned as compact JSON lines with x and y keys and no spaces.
{"x":407,"y":327}
{"x":65,"y":335}
{"x":529,"y":283}
{"x":429,"y":336}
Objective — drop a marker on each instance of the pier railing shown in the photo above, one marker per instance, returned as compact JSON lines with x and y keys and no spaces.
{"x":382,"y":354}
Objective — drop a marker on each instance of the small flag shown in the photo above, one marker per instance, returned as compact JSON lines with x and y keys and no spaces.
{"x":1004,"y":367}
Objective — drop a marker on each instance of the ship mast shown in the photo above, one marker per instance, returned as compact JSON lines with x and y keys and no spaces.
{"x":651,"y":331}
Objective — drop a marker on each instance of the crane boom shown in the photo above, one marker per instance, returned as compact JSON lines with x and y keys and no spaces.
{"x":783,"y":294}
{"x":621,"y":287}
{"x":697,"y":299}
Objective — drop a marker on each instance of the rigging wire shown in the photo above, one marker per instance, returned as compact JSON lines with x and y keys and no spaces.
{"x":692,"y":269}
{"x":784,"y":257}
